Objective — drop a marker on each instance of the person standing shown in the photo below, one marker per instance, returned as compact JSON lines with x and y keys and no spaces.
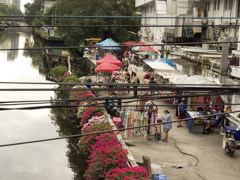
{"x":133,"y":55}
{"x":149,"y":117}
{"x":133,"y":69}
{"x":152,"y":87}
{"x":167,"y":126}
{"x":128,"y":79}
{"x":135,"y":80}
{"x":112,"y":81}
{"x":181,"y":112}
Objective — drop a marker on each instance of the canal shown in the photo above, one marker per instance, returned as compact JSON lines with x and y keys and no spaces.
{"x":46,"y":160}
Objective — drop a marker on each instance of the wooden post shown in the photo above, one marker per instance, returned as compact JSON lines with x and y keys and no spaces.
{"x":147,"y":165}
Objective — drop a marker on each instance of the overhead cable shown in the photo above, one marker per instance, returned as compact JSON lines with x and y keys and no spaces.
{"x":120,"y":17}
{"x":108,"y":131}
{"x":79,"y":47}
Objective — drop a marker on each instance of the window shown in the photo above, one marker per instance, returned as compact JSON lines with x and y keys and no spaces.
{"x":208,"y":6}
{"x":218,"y":4}
{"x":215,"y":5}
{"x":226,"y":4}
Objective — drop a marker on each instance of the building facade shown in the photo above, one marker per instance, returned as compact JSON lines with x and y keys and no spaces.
{"x":8,"y":2}
{"x":180,"y":10}
{"x":17,"y":3}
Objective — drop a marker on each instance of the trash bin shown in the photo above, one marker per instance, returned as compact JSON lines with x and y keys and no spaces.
{"x":234,"y":129}
{"x":158,"y":136}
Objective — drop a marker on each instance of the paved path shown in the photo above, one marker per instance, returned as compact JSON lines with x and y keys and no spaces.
{"x":213,"y":163}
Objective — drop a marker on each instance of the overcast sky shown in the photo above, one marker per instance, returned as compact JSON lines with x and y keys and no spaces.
{"x":24,"y":2}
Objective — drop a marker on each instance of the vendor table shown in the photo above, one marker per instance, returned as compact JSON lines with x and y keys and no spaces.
{"x":194,"y":125}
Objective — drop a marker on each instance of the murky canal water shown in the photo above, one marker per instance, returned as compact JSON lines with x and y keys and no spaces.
{"x":38,"y":161}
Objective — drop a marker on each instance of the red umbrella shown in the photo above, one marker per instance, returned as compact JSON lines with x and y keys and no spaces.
{"x":129,"y":43}
{"x":107,"y":67}
{"x":148,"y":48}
{"x":109,"y":59}
{"x":139,"y":43}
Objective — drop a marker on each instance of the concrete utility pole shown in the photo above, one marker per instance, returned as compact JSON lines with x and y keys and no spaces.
{"x":224,"y":59}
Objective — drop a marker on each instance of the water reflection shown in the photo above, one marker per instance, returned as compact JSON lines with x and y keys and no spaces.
{"x":14,"y":44}
{"x":46,"y":160}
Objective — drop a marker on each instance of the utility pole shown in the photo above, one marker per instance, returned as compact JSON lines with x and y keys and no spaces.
{"x":224,"y":59}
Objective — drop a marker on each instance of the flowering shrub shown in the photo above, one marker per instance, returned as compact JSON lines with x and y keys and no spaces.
{"x":58,"y":71}
{"x":80,"y":95}
{"x":86,"y":142}
{"x":129,"y":173}
{"x":94,"y":120}
{"x":71,"y":78}
{"x":90,"y":112}
{"x":68,"y":78}
{"x":105,"y":157}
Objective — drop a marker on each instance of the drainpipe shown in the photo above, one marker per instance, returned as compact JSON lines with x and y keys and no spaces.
{"x":224,"y":59}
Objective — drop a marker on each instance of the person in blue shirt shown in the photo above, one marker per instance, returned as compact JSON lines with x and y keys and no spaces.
{"x":216,"y":121}
{"x":149,"y":116}
{"x":181,"y":112}
{"x":167,"y":126}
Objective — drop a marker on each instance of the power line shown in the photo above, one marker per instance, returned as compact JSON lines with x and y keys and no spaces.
{"x":109,"y":131}
{"x":112,"y":98}
{"x":89,"y":26}
{"x":109,"y":84}
{"x":133,"y":89}
{"x":119,"y":17}
{"x":78,"y":47}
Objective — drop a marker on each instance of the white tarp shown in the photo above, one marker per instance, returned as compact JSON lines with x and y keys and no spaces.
{"x":198,"y":80}
{"x":160,"y":66}
{"x":166,"y":75}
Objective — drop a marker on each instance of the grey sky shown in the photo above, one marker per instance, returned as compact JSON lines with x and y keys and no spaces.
{"x":24,"y":2}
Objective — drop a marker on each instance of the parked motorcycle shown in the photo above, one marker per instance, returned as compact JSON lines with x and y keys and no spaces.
{"x":230,"y":144}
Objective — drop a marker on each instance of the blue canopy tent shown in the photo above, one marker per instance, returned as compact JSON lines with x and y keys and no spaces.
{"x":167,"y":61}
{"x":109,"y":47}
{"x":108,"y":42}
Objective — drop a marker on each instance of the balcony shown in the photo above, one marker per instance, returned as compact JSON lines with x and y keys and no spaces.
{"x":139,"y":3}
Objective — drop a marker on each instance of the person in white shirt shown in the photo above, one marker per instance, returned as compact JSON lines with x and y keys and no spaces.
{"x":133,"y":69}
{"x":129,"y":57}
{"x":133,"y":55}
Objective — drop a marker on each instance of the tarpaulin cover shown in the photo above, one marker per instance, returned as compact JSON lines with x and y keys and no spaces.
{"x":159,"y":65}
{"x":165,"y":60}
{"x":109,"y":47}
{"x":166,"y":75}
{"x":148,"y":48}
{"x":108,"y":42}
{"x":129,"y":43}
{"x":195,"y":80}
{"x":107,"y":67}
{"x":109,"y":59}
{"x":147,"y":53}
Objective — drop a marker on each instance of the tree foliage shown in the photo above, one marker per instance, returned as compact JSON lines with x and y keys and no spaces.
{"x":9,"y":9}
{"x":74,"y":35}
{"x":33,"y":9}
{"x":97,"y":8}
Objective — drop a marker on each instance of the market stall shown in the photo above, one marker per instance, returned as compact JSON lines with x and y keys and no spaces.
{"x":195,"y":126}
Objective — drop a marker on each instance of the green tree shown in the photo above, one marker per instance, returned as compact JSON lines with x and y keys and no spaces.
{"x":33,"y":9}
{"x":9,"y":9}
{"x":73,"y":35}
